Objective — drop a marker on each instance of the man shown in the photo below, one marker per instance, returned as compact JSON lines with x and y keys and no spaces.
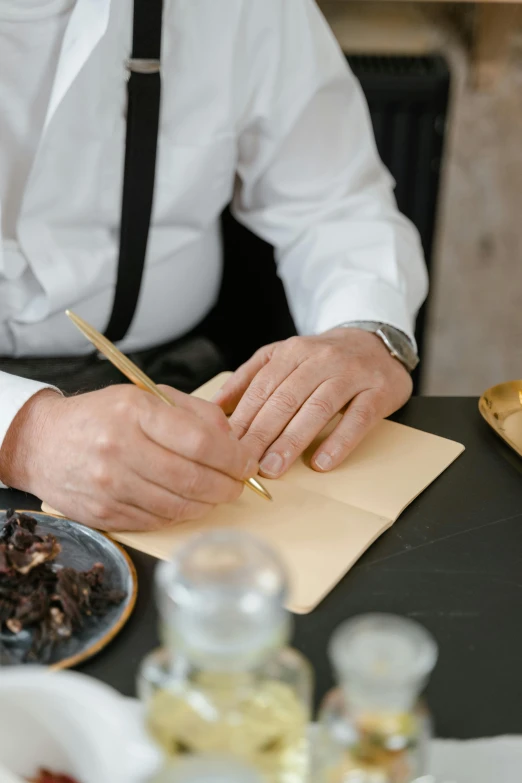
{"x":257,"y":105}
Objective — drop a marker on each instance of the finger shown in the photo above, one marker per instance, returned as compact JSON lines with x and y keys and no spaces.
{"x":316,"y":412}
{"x":184,"y":478}
{"x":363,"y":413}
{"x":229,"y":396}
{"x":267,"y":380}
{"x":280,"y":409}
{"x":163,"y":504}
{"x":115,"y":516}
{"x":182,"y":432}
{"x":205,"y":410}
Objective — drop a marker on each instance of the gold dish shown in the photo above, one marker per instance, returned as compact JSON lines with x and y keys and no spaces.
{"x":501,"y":407}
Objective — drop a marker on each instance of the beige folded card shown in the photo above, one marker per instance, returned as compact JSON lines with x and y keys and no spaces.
{"x":321,"y":523}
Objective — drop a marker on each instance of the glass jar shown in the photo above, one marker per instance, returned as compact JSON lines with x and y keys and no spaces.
{"x":373,"y":728}
{"x":225,"y":694}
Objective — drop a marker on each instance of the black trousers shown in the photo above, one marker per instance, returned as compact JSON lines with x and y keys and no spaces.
{"x":184,"y":364}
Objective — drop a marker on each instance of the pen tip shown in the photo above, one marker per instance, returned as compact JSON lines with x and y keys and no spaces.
{"x":259,"y":488}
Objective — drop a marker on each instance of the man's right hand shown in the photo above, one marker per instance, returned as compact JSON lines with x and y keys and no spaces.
{"x":120,"y":459}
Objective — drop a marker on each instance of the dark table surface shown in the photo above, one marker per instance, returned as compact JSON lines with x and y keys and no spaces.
{"x":453,"y":561}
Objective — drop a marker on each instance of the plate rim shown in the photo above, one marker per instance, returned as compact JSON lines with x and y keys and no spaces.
{"x":75,"y":660}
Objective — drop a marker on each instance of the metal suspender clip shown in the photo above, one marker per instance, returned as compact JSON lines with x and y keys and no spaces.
{"x":143,"y":66}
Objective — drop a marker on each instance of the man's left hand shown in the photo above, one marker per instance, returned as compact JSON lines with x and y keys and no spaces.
{"x":285,"y":395}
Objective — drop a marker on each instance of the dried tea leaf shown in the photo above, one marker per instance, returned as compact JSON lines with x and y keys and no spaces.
{"x":34,"y":594}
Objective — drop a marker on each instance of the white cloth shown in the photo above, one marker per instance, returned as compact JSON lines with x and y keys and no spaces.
{"x":31,"y":33}
{"x":258,"y":104}
{"x":485,"y":760}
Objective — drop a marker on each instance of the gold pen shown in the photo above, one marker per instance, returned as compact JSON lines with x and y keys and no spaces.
{"x":138,"y":377}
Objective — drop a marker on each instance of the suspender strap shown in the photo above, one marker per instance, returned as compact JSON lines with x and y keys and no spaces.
{"x":143,"y":109}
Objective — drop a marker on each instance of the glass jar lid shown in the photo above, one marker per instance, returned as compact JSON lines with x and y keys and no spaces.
{"x":222,"y":598}
{"x":383,"y":658}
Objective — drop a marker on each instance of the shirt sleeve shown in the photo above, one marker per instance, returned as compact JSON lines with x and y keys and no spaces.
{"x":14,"y":393}
{"x":311,"y":183}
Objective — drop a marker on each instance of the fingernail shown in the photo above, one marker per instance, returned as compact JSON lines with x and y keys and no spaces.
{"x":323,"y":461}
{"x":218,"y":397}
{"x":272,"y":464}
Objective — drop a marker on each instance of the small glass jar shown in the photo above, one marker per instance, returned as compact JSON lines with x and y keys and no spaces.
{"x":373,"y":728}
{"x":225,"y":695}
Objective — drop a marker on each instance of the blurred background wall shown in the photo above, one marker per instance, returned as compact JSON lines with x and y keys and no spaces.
{"x":474,"y":320}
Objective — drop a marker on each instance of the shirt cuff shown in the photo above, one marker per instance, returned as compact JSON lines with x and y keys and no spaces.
{"x":370,"y":301}
{"x":14,"y":393}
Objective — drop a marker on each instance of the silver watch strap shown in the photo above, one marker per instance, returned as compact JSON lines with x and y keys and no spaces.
{"x":374,"y":326}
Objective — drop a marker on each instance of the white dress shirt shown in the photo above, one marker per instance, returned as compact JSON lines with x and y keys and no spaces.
{"x":258,"y":105}
{"x":31,"y":34}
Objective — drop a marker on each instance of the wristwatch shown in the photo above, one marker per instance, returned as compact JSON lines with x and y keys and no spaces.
{"x":398,"y":344}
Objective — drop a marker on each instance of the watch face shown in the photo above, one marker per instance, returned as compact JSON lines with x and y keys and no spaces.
{"x":399,"y":346}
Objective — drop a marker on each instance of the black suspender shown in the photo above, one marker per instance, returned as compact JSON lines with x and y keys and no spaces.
{"x":143,"y":108}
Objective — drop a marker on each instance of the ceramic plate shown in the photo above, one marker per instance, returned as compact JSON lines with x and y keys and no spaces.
{"x":501,"y":407}
{"x":81,"y":549}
